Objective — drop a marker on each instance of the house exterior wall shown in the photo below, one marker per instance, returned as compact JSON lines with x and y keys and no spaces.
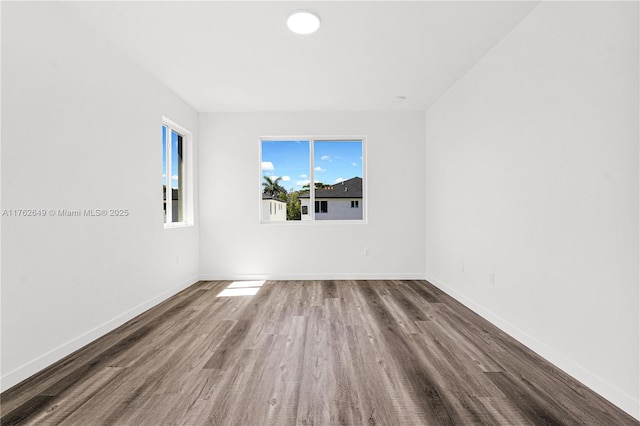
{"x":337,"y":209}
{"x":304,"y":202}
{"x":274,"y":211}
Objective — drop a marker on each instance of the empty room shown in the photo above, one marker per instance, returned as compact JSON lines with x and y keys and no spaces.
{"x":320,"y":213}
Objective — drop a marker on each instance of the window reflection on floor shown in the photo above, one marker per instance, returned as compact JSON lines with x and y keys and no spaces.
{"x":241,"y":288}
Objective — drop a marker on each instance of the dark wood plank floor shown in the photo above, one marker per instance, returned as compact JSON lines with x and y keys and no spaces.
{"x":308,"y":353}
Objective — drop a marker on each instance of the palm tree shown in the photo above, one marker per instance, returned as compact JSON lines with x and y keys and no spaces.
{"x":318,"y":185}
{"x":272,"y":187}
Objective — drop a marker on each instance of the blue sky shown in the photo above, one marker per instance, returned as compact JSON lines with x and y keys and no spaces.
{"x":334,"y":161}
{"x":174,"y":155}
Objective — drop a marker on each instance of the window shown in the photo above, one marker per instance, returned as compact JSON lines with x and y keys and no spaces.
{"x":324,"y":173}
{"x":322,"y":207}
{"x":176,"y":175}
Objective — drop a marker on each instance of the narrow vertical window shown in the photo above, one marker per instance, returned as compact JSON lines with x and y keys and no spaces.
{"x":164,"y":171}
{"x":176,"y":189}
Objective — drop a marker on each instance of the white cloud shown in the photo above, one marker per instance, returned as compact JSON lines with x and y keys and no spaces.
{"x":338,"y":180}
{"x":325,"y":157}
{"x":267,"y":165}
{"x":320,"y":169}
{"x":304,"y":176}
{"x":174,"y":177}
{"x":354,"y":164}
{"x":286,"y":178}
{"x":306,"y":182}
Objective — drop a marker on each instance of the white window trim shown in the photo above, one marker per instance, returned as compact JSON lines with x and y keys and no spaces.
{"x":187,"y":185}
{"x":312,"y":197}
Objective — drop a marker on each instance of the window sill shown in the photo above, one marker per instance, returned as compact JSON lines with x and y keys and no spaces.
{"x":314,"y":222}
{"x":178,"y":225}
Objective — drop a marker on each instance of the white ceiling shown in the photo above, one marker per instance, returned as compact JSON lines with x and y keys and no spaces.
{"x":239,"y":56}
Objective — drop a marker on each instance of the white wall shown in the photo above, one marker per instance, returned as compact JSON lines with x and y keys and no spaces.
{"x":233,"y":244}
{"x":532,"y":174}
{"x":81,"y":128}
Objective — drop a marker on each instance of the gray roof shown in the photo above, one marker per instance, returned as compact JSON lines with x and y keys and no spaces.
{"x":270,"y":197}
{"x":350,"y":188}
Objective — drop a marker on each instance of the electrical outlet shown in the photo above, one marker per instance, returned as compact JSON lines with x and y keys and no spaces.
{"x":366,"y":251}
{"x":492,"y":278}
{"x":462,"y":267}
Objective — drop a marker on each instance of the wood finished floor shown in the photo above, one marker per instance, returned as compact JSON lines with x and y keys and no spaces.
{"x":308,"y":353}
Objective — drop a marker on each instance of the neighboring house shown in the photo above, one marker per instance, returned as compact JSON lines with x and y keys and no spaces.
{"x":273,"y":209}
{"x":175,"y":209}
{"x":342,"y":201}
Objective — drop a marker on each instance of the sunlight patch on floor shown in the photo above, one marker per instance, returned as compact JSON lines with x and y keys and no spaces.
{"x":241,"y":288}
{"x":240,"y":284}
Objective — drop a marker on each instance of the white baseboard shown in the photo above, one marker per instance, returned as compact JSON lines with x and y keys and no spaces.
{"x":28,"y":369}
{"x":616,"y":396}
{"x":300,"y":277}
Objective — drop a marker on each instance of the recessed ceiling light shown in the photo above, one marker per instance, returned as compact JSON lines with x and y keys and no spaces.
{"x":303,"y":22}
